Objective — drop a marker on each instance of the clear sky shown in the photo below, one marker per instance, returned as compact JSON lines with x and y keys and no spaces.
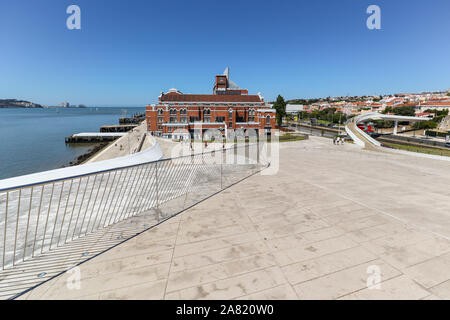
{"x":127,"y":52}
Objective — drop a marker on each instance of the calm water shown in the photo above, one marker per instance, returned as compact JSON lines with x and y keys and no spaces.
{"x":32,"y":140}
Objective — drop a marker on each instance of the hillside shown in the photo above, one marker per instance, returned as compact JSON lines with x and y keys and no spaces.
{"x":13,"y":103}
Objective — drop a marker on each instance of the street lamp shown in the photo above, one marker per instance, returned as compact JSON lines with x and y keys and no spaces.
{"x":339,"y":126}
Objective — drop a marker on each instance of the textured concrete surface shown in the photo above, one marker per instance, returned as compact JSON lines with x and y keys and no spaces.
{"x":316,"y":230}
{"x":128,"y":144}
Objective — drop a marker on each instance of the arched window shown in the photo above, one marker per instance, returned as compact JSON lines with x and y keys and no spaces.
{"x":268,"y":120}
{"x":251,"y":115}
{"x":160,"y":119}
{"x":183,"y":115}
{"x":206,"y":115}
{"x":173,"y":115}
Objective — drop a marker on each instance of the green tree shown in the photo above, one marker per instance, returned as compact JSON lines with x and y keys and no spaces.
{"x":280,"y":107}
{"x":388,"y":110}
{"x":430,"y":124}
{"x":438,"y":113}
{"x":339,"y":117}
{"x":405,"y":111}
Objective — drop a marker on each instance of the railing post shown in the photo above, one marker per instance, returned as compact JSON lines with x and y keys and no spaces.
{"x":157,"y":192}
{"x":37,"y":220}
{"x":257,"y":150}
{"x":17,"y":227}
{"x":221,"y":172}
{"x":4,"y":233}
{"x":28,"y":224}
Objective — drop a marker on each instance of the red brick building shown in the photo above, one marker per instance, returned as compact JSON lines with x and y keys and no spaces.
{"x":228,"y":107}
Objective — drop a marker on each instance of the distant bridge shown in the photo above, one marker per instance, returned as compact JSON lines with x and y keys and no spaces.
{"x":363,"y":139}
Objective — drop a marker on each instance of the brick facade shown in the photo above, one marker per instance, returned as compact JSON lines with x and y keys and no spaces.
{"x":229,"y":107}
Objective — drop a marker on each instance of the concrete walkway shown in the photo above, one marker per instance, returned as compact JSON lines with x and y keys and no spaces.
{"x":332,"y":220}
{"x":128,"y":144}
{"x":368,"y":144}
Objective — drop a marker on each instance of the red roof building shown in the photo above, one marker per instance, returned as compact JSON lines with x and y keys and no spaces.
{"x":227,"y":108}
{"x":425,"y":115}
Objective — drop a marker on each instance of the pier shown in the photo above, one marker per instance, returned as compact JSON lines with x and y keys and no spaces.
{"x":118,"y":128}
{"x":135,"y":119}
{"x":93,"y":137}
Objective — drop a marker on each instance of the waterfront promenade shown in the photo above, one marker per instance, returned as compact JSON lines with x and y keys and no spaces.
{"x":128,"y":144}
{"x":315,"y":230}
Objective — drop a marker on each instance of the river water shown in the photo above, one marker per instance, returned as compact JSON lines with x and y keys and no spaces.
{"x":32,"y":140}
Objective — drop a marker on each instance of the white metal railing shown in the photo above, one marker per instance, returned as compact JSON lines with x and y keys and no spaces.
{"x":36,"y":218}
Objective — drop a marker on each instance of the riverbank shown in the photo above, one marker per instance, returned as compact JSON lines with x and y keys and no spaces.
{"x":14,"y":103}
{"x":33,"y":138}
{"x":90,"y":153}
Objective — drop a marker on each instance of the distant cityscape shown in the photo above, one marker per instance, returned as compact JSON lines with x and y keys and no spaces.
{"x":421,"y":102}
{"x":346,"y":104}
{"x":14,"y":103}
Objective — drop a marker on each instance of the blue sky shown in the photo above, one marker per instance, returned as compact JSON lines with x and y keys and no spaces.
{"x":127,"y":52}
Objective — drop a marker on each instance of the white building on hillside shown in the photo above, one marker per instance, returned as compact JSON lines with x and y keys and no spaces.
{"x":294,"y":108}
